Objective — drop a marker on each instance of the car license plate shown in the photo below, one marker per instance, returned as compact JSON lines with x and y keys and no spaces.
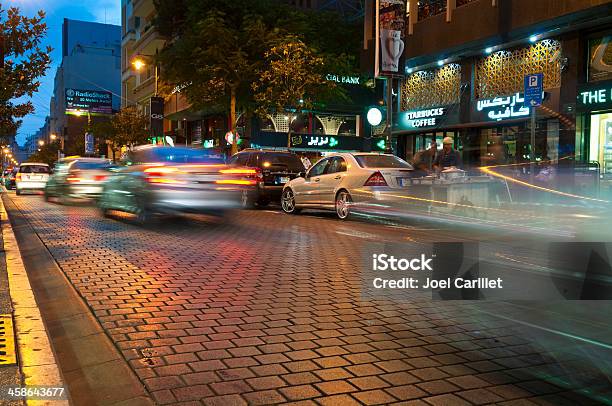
{"x":283,"y":179}
{"x":404,"y":182}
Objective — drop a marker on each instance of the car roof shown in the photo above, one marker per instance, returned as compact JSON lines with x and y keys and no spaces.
{"x":273,"y":151}
{"x":34,"y":163}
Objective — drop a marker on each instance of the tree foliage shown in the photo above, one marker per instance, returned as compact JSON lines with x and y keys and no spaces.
{"x":128,"y":127}
{"x":24,"y":61}
{"x":46,"y":153}
{"x":223,"y":47}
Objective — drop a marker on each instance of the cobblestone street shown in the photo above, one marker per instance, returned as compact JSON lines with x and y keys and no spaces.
{"x":266,"y":308}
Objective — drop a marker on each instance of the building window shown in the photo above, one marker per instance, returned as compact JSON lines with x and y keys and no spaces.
{"x":600,"y":59}
{"x":503,"y":73}
{"x":430,"y":8}
{"x":432,"y":88}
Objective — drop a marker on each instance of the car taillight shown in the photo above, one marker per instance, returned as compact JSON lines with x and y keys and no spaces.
{"x":376,"y":179}
{"x":99,"y":178}
{"x":18,"y":177}
{"x":73,"y":179}
{"x":241,"y":176}
{"x":162,"y":175}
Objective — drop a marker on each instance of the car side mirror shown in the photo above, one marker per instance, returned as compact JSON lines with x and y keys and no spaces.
{"x":302,"y":175}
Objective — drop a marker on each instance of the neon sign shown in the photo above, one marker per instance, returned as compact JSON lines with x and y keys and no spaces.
{"x":501,"y":108}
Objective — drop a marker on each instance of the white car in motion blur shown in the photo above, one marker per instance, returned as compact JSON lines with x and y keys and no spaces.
{"x":339,"y":181}
{"x":31,"y":176}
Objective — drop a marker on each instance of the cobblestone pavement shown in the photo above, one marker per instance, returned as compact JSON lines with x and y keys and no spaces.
{"x":267,"y":309}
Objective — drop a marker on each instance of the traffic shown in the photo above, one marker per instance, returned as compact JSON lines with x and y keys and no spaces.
{"x":151,"y":181}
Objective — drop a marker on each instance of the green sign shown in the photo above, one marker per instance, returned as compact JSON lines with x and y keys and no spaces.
{"x":596,"y":96}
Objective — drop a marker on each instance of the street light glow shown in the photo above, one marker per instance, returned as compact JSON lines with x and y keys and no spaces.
{"x":138,"y":64}
{"x":41,"y":142}
{"x":53,"y":137}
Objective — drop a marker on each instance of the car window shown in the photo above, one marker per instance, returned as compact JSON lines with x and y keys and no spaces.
{"x":34,"y":169}
{"x":382,"y":161}
{"x":318,"y":168}
{"x":282,"y":160}
{"x":337,"y":164}
{"x":240,"y":159}
{"x":85,"y":165}
{"x":176,"y":155}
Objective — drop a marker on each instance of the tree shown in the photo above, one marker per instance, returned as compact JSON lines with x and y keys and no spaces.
{"x":46,"y":153}
{"x":219,"y":51}
{"x":293,"y":80}
{"x":128,"y":127}
{"x":22,"y":63}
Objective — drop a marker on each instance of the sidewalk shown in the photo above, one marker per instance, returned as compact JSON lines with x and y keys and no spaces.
{"x":9,"y":374}
{"x":35,"y":363}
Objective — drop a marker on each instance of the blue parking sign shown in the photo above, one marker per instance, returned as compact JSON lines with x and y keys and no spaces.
{"x":534,"y":89}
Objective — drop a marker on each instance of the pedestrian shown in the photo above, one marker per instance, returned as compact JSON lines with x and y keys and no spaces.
{"x":423,"y":160}
{"x":448,"y":157}
{"x":306,"y":162}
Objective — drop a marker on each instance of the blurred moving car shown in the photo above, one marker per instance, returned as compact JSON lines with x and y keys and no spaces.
{"x":171,"y":180}
{"x":9,"y":178}
{"x":340,"y":180}
{"x":31,"y":176}
{"x":78,"y":178}
{"x":274,"y":169}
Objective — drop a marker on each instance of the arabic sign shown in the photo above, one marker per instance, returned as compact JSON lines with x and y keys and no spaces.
{"x":88,"y":101}
{"x":595,"y":97}
{"x":265,"y":139}
{"x":503,"y":108}
{"x":534,"y":86}
{"x":426,"y":118}
{"x":391,"y":24}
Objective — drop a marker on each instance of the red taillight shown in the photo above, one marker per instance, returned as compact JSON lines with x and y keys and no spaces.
{"x":99,"y":178}
{"x":241,"y":176}
{"x":159,"y":174}
{"x":18,"y":177}
{"x":376,"y":179}
{"x":73,"y":179}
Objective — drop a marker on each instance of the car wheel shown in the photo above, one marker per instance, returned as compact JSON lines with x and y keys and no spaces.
{"x":17,"y":192}
{"x":246,"y":201}
{"x":47,"y":196}
{"x":343,"y":202}
{"x":144,"y":215}
{"x":288,"y":202}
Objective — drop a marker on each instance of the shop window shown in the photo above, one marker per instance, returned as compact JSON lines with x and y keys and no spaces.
{"x":438,"y":87}
{"x":600,"y":142}
{"x":503,"y":73}
{"x":600,"y":59}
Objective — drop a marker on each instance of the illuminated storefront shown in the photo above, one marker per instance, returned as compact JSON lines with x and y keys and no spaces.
{"x":594,"y":102}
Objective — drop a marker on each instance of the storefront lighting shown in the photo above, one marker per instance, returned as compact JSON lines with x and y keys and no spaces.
{"x":533,"y":39}
{"x":488,"y":50}
{"x":409,"y":70}
{"x":440,"y":62}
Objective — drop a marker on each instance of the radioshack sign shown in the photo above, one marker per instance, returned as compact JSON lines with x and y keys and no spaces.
{"x":88,"y":101}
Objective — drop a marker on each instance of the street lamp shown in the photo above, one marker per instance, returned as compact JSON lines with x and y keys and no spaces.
{"x":139,"y":63}
{"x":41,"y":142}
{"x":53,"y":137}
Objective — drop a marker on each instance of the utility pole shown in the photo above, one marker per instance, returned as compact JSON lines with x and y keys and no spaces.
{"x":389,"y":126}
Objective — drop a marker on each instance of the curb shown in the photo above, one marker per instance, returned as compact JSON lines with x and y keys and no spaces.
{"x":95,"y":371}
{"x":37,"y":361}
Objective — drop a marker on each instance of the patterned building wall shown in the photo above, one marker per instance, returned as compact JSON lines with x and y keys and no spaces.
{"x":431,"y":88}
{"x":502,"y":73}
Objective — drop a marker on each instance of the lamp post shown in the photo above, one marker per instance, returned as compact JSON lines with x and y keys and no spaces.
{"x":139,"y":62}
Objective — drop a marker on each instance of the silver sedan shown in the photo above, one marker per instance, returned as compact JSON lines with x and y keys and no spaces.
{"x":341,"y":181}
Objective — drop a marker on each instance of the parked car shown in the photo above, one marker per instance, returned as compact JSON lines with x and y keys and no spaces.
{"x":274,"y":169}
{"x":9,"y":178}
{"x":172,"y":180}
{"x":78,"y":178}
{"x":31,"y":176}
{"x":341,"y":180}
